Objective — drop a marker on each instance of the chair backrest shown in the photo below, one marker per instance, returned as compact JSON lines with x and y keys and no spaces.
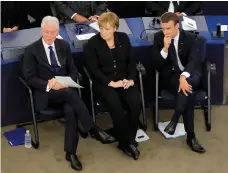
{"x":201,"y":43}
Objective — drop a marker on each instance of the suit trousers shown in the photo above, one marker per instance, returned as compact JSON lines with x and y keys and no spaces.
{"x":185,"y":104}
{"x":118,"y":100}
{"x":74,"y":109}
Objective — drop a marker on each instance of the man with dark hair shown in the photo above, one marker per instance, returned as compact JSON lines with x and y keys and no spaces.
{"x":180,"y":8}
{"x":176,"y":55}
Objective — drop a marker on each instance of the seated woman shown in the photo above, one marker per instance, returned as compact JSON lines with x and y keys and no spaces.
{"x":108,"y":56}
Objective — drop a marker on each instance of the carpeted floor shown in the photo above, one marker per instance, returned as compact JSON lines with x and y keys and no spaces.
{"x":158,"y":155}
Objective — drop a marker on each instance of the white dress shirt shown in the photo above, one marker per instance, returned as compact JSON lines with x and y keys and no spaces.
{"x":47,"y":51}
{"x":165,"y":55}
{"x":171,"y":7}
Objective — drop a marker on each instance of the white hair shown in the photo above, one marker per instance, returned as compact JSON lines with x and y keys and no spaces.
{"x":50,"y":20}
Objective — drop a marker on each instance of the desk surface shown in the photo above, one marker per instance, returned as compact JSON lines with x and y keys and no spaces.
{"x":136,"y":26}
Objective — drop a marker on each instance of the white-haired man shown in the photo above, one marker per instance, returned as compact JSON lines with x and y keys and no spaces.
{"x":43,"y":60}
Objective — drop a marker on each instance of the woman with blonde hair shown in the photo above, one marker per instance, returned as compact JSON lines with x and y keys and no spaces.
{"x":108,"y":56}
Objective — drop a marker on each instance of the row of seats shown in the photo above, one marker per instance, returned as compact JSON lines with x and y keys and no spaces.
{"x":162,"y":96}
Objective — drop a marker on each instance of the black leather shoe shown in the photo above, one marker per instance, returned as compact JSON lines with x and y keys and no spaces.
{"x":75,"y":163}
{"x":134,"y":151}
{"x":170,"y":128}
{"x":102,"y":136}
{"x":136,"y":144}
{"x":124,"y":149}
{"x":195,"y":146}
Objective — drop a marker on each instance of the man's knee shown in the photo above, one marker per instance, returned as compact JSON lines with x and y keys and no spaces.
{"x":183,"y":101}
{"x":69,"y":113}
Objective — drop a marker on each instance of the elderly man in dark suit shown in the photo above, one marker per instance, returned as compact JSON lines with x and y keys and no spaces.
{"x":176,"y":54}
{"x":80,"y":11}
{"x":43,"y":60}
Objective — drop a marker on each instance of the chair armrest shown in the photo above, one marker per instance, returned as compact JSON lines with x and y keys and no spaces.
{"x":24,"y":83}
{"x":79,"y":77}
{"x":87,"y":73}
{"x":211,"y":68}
{"x":140,"y":68}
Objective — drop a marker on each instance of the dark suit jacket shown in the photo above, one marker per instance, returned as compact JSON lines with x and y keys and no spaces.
{"x":37,"y":71}
{"x":101,"y":61}
{"x":157,"y":8}
{"x":188,"y":51}
{"x":13,"y":15}
{"x":68,"y":8}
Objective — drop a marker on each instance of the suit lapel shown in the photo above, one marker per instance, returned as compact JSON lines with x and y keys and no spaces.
{"x":43,"y":55}
{"x":181,"y":43}
{"x":60,"y":53}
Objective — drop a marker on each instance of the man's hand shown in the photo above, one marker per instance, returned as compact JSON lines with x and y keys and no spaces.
{"x":184,"y":86}
{"x":52,"y":82}
{"x":15,"y":28}
{"x":93,"y":18}
{"x":58,"y":86}
{"x":79,"y":18}
{"x":7,"y":30}
{"x":55,"y":84}
{"x":179,"y":14}
{"x":117,"y":84}
{"x":128,"y":83}
{"x":167,"y":41}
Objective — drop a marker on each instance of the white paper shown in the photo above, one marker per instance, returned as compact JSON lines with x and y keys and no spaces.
{"x":187,"y":27}
{"x":95,"y":26}
{"x":85,"y":36}
{"x":188,"y":24}
{"x":224,"y":27}
{"x":180,"y":131}
{"x":59,"y":37}
{"x":141,"y":136}
{"x":66,"y":80}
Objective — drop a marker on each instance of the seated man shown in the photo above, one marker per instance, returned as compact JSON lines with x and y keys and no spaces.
{"x":43,"y":60}
{"x":176,"y":54}
{"x":80,"y":11}
{"x":108,"y":56}
{"x":13,"y":18}
{"x":180,"y":8}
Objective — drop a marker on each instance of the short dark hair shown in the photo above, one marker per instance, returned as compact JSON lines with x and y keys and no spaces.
{"x":168,"y":16}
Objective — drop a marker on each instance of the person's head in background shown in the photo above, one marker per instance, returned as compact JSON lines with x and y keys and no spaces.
{"x":170,"y":24}
{"x":108,"y":23}
{"x":49,"y":29}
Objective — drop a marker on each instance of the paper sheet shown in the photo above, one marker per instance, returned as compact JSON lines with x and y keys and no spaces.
{"x":180,"y":131}
{"x":66,"y":80}
{"x":59,"y":37}
{"x":85,"y":36}
{"x":224,"y":27}
{"x":95,"y":26}
{"x":141,"y":136}
{"x":188,"y":24}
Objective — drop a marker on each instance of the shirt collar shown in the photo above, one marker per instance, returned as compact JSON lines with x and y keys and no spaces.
{"x":177,"y":37}
{"x":46,"y":45}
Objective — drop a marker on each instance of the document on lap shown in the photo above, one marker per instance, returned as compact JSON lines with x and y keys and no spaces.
{"x":66,"y":80}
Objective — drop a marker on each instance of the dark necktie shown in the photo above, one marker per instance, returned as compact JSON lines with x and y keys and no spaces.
{"x":172,"y":52}
{"x":176,"y":6}
{"x":54,"y":63}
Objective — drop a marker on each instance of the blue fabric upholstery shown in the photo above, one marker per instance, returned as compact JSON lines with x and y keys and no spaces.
{"x":166,"y":95}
